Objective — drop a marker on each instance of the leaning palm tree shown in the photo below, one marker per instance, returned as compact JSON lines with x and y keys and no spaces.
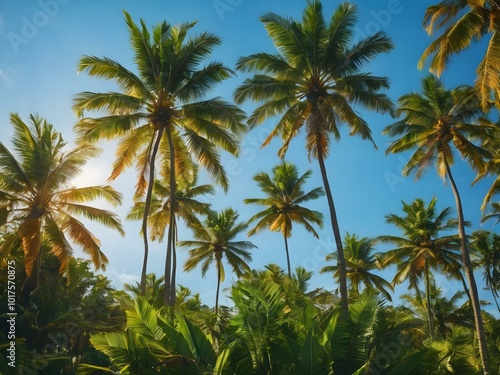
{"x":161,"y":111}
{"x":186,"y":207}
{"x":422,"y":248}
{"x":214,"y":240}
{"x":312,"y":83}
{"x":487,"y":246}
{"x":464,"y":22}
{"x":285,"y":194}
{"x":360,"y":261}
{"x":39,"y":203}
{"x":434,"y":124}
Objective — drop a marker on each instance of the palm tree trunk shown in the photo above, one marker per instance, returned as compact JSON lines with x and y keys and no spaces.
{"x":494,"y":293}
{"x":174,"y":264}
{"x":287,"y":252}
{"x":428,"y":298}
{"x":147,"y":205}
{"x":169,"y":269}
{"x":219,"y":275}
{"x":469,"y":274}
{"x":344,"y":298}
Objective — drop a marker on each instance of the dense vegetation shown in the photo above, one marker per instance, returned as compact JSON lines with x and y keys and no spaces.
{"x":70,"y":320}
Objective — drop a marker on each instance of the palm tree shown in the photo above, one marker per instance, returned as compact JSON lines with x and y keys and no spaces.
{"x":433,"y":122}
{"x":464,"y":22}
{"x":161,"y":112}
{"x":284,"y":190}
{"x":38,"y":202}
{"x":214,"y":240}
{"x":487,"y":246}
{"x":313,"y":82}
{"x":186,"y":207}
{"x":360,"y":261}
{"x":422,"y":247}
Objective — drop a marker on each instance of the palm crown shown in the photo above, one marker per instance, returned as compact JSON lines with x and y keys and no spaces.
{"x":435,"y":120}
{"x":283,"y":204}
{"x":360,"y":262}
{"x":215,"y":239}
{"x":460,"y":29}
{"x":315,"y":77}
{"x":36,"y":196}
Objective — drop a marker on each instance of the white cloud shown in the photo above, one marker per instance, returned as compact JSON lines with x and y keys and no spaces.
{"x":4,"y":75}
{"x":119,"y":278}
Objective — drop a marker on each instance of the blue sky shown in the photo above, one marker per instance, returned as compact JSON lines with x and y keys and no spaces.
{"x":42,"y":41}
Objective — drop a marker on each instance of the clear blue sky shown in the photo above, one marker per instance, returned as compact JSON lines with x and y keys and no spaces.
{"x":42,"y":41}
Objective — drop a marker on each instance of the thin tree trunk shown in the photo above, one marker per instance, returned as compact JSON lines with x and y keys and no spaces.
{"x":287,"y":252}
{"x":169,"y":301}
{"x":174,"y":264}
{"x":147,"y":205}
{"x":168,"y":268}
{"x":493,"y":292}
{"x":428,"y":298}
{"x":469,"y":274}
{"x":219,"y":275}
{"x":344,"y":298}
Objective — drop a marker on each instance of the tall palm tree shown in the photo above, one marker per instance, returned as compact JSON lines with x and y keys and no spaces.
{"x":161,"y":112}
{"x":314,"y":81}
{"x":464,"y":22}
{"x":487,"y":246}
{"x":186,"y":207}
{"x":284,"y":190}
{"x":38,"y":201}
{"x":214,"y":240}
{"x":422,"y":247}
{"x":433,"y":122}
{"x":360,"y":261}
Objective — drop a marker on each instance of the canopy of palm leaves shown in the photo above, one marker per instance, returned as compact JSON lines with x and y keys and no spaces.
{"x":215,"y":240}
{"x":422,"y":244}
{"x":283,"y":203}
{"x":435,"y":120}
{"x":167,"y":92}
{"x":187,"y":206}
{"x":315,"y":77}
{"x":38,"y":201}
{"x":464,"y":22}
{"x":360,"y":261}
